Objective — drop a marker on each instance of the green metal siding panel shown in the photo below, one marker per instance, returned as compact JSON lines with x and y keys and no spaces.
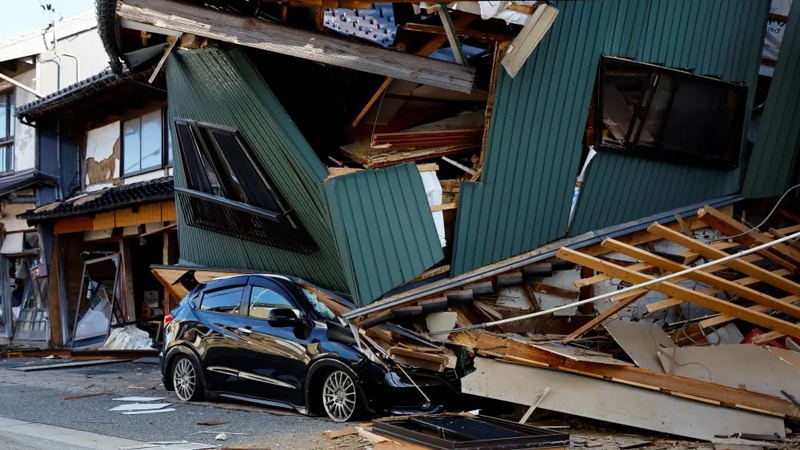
{"x":223,"y":88}
{"x":384,"y":227}
{"x":774,"y":159}
{"x":539,"y":117}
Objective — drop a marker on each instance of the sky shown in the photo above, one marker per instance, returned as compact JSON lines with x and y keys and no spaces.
{"x":20,"y":16}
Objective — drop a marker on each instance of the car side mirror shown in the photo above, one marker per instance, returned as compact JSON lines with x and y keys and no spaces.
{"x":282,"y":317}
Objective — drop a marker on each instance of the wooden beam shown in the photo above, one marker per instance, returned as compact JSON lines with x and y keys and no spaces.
{"x":458,"y":165}
{"x":605,"y":315}
{"x":668,"y":384}
{"x":128,"y":299}
{"x":500,"y":49}
{"x":334,"y":172}
{"x":781,"y":253}
{"x":723,"y":319}
{"x":711,"y":253}
{"x":688,"y":295}
{"x":704,"y":277}
{"x":278,"y":38}
{"x":444,"y":207}
{"x":163,"y":59}
{"x":474,"y":34}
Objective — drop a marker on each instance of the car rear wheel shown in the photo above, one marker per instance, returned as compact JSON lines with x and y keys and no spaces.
{"x":185,"y":379}
{"x":340,"y":396}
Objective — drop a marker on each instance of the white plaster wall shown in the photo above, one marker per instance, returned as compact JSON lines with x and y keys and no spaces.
{"x":158,"y":173}
{"x":25,"y":136}
{"x":101,"y":164}
{"x":9,"y":217}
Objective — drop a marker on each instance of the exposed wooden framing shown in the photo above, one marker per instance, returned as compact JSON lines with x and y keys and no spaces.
{"x":712,"y":253}
{"x":669,"y":384}
{"x":704,"y":277}
{"x":426,"y":50}
{"x":672,"y":301}
{"x":432,"y":273}
{"x":781,"y":253}
{"x":500,"y":49}
{"x":450,"y":31}
{"x":474,"y":34}
{"x":766,"y":337}
{"x":21,"y":86}
{"x":779,"y":234}
{"x":278,"y":38}
{"x":127,"y":280}
{"x":688,"y":295}
{"x":444,"y":207}
{"x":554,"y":290}
{"x":452,"y":186}
{"x":723,"y":319}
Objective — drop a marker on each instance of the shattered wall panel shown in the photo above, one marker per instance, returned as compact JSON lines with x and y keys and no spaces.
{"x":224,"y":88}
{"x":384,"y":227}
{"x":103,"y":148}
{"x":773,"y":163}
{"x":539,"y":118}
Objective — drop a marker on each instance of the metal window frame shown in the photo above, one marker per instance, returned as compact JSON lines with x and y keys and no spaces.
{"x":642,"y":110}
{"x":164,"y":142}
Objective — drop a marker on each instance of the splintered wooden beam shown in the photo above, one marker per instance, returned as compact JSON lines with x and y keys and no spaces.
{"x":277,"y":38}
{"x":711,"y":253}
{"x":474,"y":34}
{"x":780,"y":253}
{"x":704,"y":277}
{"x":722,"y":319}
{"x":667,"y":288}
{"x":450,"y":30}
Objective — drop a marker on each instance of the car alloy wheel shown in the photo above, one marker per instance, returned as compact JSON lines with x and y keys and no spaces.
{"x":184,"y":378}
{"x":339,"y":396}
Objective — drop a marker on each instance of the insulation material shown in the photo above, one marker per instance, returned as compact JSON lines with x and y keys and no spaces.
{"x":495,"y":10}
{"x":128,"y":338}
{"x":433,"y":189}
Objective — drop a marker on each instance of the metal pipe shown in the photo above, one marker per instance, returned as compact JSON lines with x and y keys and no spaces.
{"x":77,"y":64}
{"x":20,"y":85}
{"x":627,"y":289}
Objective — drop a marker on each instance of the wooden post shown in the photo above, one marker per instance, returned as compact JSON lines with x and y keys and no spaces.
{"x":128,"y":300}
{"x":168,"y":257}
{"x":54,"y":298}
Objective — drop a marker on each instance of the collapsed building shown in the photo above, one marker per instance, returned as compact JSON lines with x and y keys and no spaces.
{"x":530,"y":172}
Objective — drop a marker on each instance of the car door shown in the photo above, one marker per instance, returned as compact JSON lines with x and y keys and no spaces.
{"x":220,"y":310}
{"x":276,"y":354}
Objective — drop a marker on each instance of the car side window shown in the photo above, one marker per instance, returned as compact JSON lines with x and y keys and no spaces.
{"x":263,"y":300}
{"x":224,"y":300}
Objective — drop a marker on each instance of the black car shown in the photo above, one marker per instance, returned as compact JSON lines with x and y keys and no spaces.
{"x":265,"y":339}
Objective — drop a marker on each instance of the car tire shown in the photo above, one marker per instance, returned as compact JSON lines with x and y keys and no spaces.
{"x":186,"y":379}
{"x":340,"y":396}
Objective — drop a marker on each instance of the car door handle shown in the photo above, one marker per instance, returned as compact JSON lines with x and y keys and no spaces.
{"x":245,"y":330}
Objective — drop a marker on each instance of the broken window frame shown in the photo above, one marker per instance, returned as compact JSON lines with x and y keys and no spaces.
{"x":213,"y":200}
{"x":728,"y":152}
{"x":117,"y":309}
{"x":7,"y":133}
{"x":166,"y":141}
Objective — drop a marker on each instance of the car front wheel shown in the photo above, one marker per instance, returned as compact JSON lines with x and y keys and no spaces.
{"x":340,"y":396}
{"x":186,"y":379}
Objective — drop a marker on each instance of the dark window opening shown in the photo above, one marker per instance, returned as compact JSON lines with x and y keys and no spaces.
{"x":668,"y":114}
{"x":7,"y":124}
{"x":228,"y":193}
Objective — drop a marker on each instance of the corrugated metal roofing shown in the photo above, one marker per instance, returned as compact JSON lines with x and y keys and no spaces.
{"x":774,"y":159}
{"x":224,"y":88}
{"x":539,"y":118}
{"x":384,"y":227}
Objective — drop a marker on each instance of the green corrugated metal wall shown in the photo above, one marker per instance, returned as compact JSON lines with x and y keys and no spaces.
{"x":375,"y":215}
{"x":224,"y":88}
{"x":773,"y":163}
{"x":539,"y":118}
{"x":376,"y":233}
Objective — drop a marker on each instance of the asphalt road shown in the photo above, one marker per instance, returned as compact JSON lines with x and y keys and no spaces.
{"x":46,"y":398}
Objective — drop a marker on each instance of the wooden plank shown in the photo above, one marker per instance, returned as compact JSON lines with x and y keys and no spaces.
{"x":704,"y":277}
{"x":499,"y":50}
{"x":723,"y":318}
{"x":605,"y":315}
{"x":126,"y":280}
{"x":553,"y":290}
{"x":617,"y":402}
{"x":736,"y":398}
{"x":766,"y":337}
{"x":780,"y":253}
{"x":334,"y":172}
{"x":474,"y":34}
{"x":711,"y":253}
{"x":278,"y":38}
{"x":459,"y":165}
{"x":426,"y":50}
{"x":444,"y":207}
{"x":450,"y":31}
{"x":688,"y":295}
{"x":672,"y":301}
{"x":528,"y":39}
